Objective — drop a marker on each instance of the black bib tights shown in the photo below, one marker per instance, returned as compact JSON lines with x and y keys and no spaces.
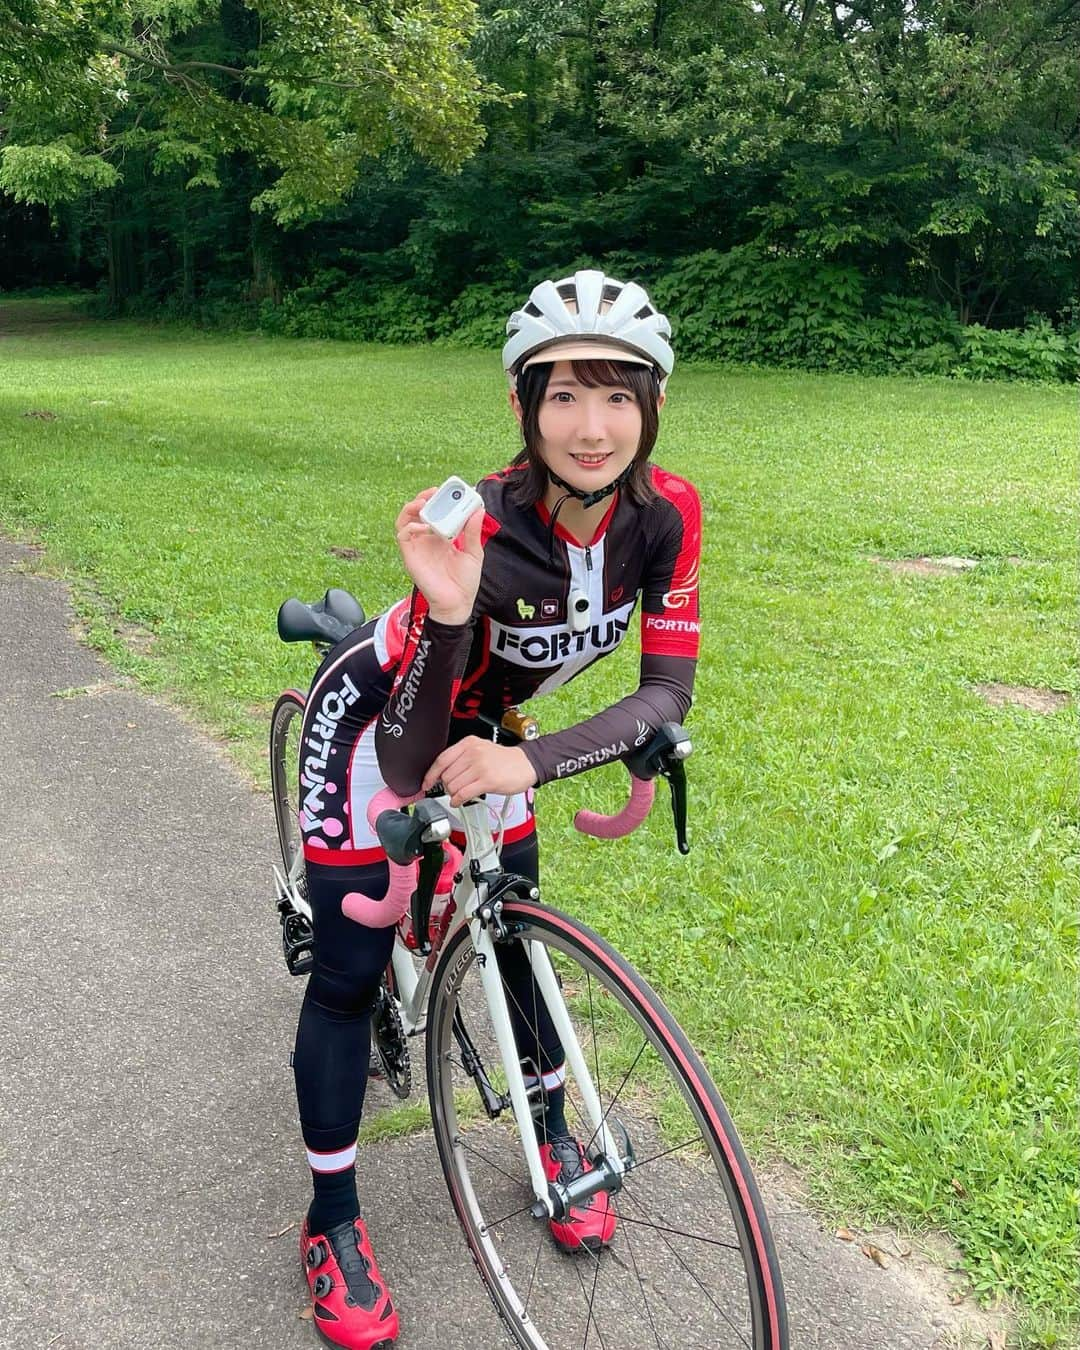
{"x":333,"y":1037}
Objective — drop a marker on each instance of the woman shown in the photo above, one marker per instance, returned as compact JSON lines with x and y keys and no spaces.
{"x":541,"y":583}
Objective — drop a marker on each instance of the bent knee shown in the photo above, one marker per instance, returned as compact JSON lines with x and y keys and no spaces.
{"x":346,"y":992}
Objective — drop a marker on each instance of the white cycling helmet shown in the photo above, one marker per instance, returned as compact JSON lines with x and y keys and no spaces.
{"x":588,"y":316}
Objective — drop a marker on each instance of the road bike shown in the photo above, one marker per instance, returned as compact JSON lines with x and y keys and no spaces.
{"x":691,"y":1262}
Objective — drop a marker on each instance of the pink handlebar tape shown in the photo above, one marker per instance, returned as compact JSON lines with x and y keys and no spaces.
{"x":394,"y":905}
{"x":642,"y":791}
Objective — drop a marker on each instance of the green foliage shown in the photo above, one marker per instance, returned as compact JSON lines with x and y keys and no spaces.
{"x":1035,"y":353}
{"x":858,"y":185}
{"x":358,"y":311}
{"x":477,"y":317}
{"x":308,"y":90}
{"x":746,"y":305}
{"x":936,"y":131}
{"x":52,"y":173}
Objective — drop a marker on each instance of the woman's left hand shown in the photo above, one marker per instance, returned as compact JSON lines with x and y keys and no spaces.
{"x":473,"y":765}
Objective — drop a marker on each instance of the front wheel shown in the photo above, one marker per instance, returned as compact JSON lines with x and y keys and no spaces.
{"x":691,"y":1262}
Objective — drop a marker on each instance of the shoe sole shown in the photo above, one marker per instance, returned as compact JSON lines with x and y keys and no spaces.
{"x":379,"y":1345}
{"x":593,"y":1245}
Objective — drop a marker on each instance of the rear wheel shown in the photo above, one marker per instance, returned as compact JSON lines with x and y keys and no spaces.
{"x":691,"y":1262}
{"x":286,"y":723}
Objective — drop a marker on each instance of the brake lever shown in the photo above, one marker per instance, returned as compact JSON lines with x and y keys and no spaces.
{"x":675,"y":772}
{"x":664,"y":755}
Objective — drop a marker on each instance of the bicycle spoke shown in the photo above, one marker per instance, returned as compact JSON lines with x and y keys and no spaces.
{"x":655,"y":1157}
{"x":681,"y":1232}
{"x":691,"y":1273}
{"x":494,"y":1223}
{"x":641,"y":1283}
{"x":471,"y":1148}
{"x":590,"y":1319}
{"x":607,"y":1109}
{"x":532,"y":1277}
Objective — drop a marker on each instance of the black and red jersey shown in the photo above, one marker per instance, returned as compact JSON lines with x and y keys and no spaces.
{"x":522,"y":640}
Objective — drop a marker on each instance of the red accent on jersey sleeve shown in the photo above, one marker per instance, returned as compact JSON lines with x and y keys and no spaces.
{"x":670,"y":620}
{"x":418,"y":608}
{"x":490,"y":527}
{"x":397,"y":628}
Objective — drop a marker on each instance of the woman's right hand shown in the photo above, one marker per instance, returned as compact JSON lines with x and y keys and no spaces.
{"x":447,"y":573}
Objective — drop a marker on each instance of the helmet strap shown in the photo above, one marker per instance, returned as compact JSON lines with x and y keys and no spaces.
{"x":586,"y":499}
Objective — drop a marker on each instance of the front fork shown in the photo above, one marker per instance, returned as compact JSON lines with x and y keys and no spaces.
{"x":552,"y":1199}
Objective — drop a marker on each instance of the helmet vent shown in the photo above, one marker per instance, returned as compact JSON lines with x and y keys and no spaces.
{"x":530,"y":308}
{"x":644,"y":312}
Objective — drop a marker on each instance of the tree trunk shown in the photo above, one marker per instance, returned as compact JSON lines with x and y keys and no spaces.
{"x":265,"y":283}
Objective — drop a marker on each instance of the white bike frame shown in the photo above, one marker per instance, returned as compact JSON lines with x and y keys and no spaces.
{"x":411,"y":987}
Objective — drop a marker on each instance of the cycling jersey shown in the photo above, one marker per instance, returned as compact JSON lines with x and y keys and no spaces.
{"x":523,"y":640}
{"x":395,"y":693}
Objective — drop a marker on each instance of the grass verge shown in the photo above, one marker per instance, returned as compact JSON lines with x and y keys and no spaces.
{"x":874,"y":938}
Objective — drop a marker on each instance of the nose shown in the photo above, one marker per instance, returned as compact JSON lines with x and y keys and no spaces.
{"x":593,"y":425}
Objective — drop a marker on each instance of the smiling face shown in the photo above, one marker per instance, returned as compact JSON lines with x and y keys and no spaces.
{"x":588,"y":433}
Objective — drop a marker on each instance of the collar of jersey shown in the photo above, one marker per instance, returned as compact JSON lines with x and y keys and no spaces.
{"x":566,"y":536}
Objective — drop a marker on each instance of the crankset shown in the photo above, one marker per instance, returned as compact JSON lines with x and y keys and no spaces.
{"x":390,"y":1043}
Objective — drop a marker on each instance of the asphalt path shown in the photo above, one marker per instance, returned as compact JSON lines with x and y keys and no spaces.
{"x":151,"y":1173}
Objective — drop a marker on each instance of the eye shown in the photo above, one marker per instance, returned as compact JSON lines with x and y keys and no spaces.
{"x":562,"y":396}
{"x":622,"y":397}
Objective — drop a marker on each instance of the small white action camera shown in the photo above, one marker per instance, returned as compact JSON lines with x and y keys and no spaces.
{"x":451,"y":507}
{"x":577,"y":611}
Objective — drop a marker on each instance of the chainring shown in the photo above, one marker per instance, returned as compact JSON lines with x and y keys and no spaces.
{"x":390,"y":1043}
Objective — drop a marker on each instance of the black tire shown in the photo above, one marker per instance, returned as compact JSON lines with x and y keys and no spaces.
{"x":692,"y":1262}
{"x":286,"y":722}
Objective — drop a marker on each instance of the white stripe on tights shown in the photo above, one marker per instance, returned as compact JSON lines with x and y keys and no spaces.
{"x":552,"y":1079}
{"x":331,"y":1162}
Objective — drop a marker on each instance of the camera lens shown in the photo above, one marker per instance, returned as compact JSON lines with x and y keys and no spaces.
{"x":456,"y":494}
{"x":581,"y":604}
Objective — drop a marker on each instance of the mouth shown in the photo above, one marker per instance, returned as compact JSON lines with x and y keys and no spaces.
{"x":590,"y":461}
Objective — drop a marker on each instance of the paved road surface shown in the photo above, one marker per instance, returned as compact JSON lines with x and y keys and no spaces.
{"x":147,"y":1127}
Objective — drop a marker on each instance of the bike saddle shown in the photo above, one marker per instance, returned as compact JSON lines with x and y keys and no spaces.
{"x":328,"y":620}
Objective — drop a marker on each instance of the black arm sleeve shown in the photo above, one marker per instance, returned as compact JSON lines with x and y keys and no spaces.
{"x":413,"y":727}
{"x":663,"y":695}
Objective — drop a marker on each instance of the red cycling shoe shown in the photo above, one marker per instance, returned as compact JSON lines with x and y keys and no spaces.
{"x":590,"y":1225}
{"x":352,"y":1306}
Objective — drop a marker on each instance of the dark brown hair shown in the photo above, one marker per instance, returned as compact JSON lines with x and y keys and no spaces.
{"x":641,"y":381}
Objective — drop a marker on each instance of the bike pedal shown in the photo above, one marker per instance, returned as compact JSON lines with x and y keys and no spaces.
{"x":297,"y":942}
{"x":300,"y":960}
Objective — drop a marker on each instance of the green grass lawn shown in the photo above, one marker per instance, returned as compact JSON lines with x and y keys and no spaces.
{"x":874,"y":937}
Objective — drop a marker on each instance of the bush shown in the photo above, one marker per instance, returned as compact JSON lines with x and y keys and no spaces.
{"x":747,"y":305}
{"x":477,"y":318}
{"x":1034,"y":353}
{"x":742,"y":306}
{"x":356,"y":311}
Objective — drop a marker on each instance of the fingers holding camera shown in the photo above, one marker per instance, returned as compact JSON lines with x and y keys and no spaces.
{"x":447,"y":572}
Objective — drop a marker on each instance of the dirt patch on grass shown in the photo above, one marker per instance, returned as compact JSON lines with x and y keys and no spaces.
{"x":1025,"y":695}
{"x":927,"y":567}
{"x":36,"y":318}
